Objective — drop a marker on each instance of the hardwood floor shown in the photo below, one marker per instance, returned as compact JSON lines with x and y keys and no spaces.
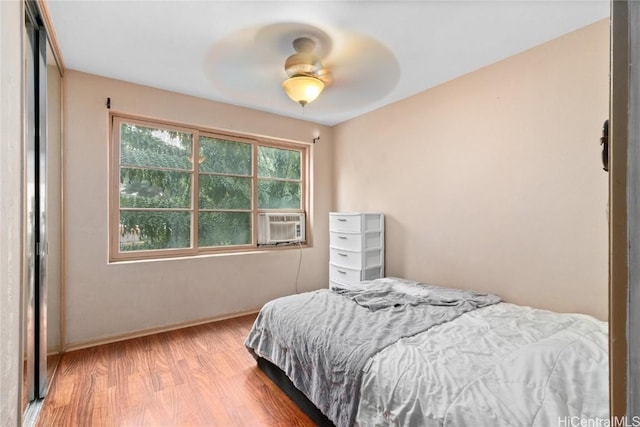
{"x":198,"y":376}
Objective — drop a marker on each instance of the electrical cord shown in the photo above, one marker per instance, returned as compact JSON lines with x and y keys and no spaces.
{"x":299,"y":264}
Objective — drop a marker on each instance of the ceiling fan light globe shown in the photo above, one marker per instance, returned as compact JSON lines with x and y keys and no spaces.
{"x":303,"y":89}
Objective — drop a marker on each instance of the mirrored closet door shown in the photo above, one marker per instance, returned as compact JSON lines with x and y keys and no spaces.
{"x":54,"y":210}
{"x":42,"y":207}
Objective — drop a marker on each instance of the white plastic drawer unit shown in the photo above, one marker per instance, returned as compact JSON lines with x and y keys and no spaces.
{"x":355,"y":222}
{"x":356,"y":247}
{"x":356,"y":259}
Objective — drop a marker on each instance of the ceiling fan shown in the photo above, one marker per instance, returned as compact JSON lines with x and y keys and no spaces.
{"x":307,"y":76}
{"x":349,"y":70}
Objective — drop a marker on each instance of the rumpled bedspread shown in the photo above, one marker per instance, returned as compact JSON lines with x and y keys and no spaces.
{"x":385,"y":293}
{"x":323,"y":339}
{"x":502,"y":365}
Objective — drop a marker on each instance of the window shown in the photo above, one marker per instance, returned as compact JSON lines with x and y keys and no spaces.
{"x":184,"y":191}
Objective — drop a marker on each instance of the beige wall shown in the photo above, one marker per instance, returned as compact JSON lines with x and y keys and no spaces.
{"x":105,"y":300}
{"x":493,"y":181}
{"x":11,"y":18}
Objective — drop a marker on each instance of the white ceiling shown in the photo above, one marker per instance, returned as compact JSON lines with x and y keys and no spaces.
{"x":233,"y":51}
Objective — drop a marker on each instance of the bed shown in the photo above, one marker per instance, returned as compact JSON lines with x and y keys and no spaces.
{"x":396,"y":352}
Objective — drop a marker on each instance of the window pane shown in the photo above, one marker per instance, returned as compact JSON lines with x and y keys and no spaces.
{"x":222,"y":156}
{"x":278,"y":194}
{"x":144,"y":146}
{"x":278,"y":163}
{"x":147,"y":230}
{"x":224,"y":192}
{"x":224,"y":228}
{"x":146,"y":188}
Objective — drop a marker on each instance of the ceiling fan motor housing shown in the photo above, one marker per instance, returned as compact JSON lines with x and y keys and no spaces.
{"x":303,"y":61}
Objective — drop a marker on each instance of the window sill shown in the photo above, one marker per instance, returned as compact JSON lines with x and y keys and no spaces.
{"x":221,"y":253}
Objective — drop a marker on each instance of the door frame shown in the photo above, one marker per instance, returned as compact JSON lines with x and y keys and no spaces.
{"x":624,"y":200}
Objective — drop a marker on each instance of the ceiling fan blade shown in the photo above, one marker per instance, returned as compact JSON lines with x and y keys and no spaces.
{"x":236,"y":68}
{"x":362,"y":70}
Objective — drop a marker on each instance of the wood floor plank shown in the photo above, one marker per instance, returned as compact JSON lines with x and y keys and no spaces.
{"x":198,"y":376}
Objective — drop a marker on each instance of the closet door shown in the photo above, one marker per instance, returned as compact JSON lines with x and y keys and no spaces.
{"x":35,"y":241}
{"x":29,"y":281}
{"x":42,"y":243}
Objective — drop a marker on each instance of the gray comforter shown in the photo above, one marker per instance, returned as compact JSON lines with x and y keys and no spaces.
{"x":323,"y":339}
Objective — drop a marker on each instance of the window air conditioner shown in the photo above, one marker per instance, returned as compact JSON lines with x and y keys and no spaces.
{"x":274,"y":228}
